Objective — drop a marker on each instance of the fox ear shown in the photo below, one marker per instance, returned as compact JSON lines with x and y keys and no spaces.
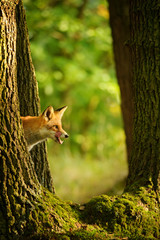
{"x":61,"y":111}
{"x":48,"y":113}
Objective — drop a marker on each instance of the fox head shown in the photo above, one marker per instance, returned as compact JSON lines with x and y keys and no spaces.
{"x":52,"y":126}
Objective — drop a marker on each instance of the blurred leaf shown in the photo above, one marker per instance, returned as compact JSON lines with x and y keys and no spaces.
{"x":73,"y":58}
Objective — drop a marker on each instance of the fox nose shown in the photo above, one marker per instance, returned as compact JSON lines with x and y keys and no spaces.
{"x":66,"y":135}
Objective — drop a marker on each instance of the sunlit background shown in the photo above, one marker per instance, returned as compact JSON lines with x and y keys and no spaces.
{"x":71,"y":47}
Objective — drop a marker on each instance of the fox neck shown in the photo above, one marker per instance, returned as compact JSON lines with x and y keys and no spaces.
{"x":33,"y":131}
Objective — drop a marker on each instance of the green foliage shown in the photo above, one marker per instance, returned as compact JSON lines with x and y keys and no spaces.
{"x":71,"y":47}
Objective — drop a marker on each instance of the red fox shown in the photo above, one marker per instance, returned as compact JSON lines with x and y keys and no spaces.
{"x":47,"y":125}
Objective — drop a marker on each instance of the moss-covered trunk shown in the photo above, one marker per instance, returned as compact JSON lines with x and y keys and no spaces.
{"x":144,"y":165}
{"x":119,"y":20}
{"x":17,"y":179}
{"x":144,"y":160}
{"x":19,"y":184}
{"x":28,"y":94}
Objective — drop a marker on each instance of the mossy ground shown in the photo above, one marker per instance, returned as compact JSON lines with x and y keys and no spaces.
{"x":129,"y":216}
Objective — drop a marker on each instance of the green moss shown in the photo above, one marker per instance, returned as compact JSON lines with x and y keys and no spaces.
{"x":125,"y":215}
{"x":49,"y":216}
{"x":88,"y":234}
{"x":103,"y":217}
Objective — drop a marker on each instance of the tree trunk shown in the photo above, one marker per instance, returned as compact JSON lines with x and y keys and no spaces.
{"x":28,"y":94}
{"x":136,"y":214}
{"x":119,"y":20}
{"x":144,"y":165}
{"x":27,"y":210}
{"x":17,"y":179}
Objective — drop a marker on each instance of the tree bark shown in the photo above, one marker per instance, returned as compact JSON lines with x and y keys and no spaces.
{"x":144,"y":165}
{"x":28,"y":94}
{"x":17,"y":179}
{"x":119,"y":20}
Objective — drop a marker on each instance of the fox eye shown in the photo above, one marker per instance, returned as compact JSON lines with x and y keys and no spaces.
{"x":55,"y":126}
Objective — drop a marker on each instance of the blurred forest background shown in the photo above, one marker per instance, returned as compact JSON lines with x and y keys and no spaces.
{"x":71,"y":47}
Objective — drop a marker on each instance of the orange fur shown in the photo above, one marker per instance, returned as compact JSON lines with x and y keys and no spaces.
{"x":47,"y":125}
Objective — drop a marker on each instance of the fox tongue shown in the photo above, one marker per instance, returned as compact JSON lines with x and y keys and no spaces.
{"x":57,"y":135}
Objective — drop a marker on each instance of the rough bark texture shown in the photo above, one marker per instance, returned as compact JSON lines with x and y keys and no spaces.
{"x":17,"y":181}
{"x":28,"y":94}
{"x":119,"y":20}
{"x":144,"y":165}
